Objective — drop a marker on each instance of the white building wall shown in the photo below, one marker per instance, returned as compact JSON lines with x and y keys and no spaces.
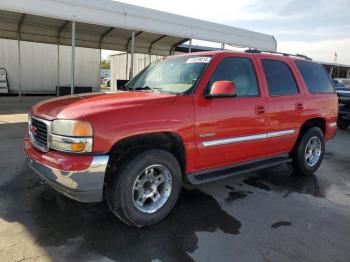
{"x":9,"y":61}
{"x":39,"y":66}
{"x":119,"y":69}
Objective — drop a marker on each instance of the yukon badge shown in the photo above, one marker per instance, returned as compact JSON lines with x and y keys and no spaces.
{"x":207,"y":135}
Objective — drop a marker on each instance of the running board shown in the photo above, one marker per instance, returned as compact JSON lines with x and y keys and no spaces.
{"x":220,"y":173}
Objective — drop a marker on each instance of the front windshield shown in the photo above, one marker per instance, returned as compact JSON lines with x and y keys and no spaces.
{"x":173,"y":75}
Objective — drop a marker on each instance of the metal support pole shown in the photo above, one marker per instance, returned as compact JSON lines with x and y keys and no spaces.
{"x":19,"y":68}
{"x":331,"y":71}
{"x":99,"y":74}
{"x":127,"y":65}
{"x":132,"y":55}
{"x":222,"y":46}
{"x":338,"y":72}
{"x":73,"y":60}
{"x":58,"y":70}
{"x":19,"y":28}
{"x":190,"y":46}
{"x":348,"y":73}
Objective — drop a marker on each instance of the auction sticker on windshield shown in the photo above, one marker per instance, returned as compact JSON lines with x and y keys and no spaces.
{"x":198,"y":59}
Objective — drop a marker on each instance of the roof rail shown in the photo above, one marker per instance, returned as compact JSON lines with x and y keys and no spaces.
{"x":256,"y":51}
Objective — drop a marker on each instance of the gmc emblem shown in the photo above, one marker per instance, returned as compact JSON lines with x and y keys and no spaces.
{"x":33,"y":130}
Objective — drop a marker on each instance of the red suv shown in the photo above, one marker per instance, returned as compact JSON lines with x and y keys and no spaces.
{"x":189,"y":118}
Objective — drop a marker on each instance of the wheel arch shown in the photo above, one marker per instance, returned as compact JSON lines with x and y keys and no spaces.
{"x":167,"y":140}
{"x":312,"y":122}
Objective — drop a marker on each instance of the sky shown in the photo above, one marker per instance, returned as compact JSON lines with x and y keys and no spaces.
{"x":316,"y":28}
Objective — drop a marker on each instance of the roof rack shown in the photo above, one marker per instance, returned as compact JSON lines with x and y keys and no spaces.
{"x":256,"y":51}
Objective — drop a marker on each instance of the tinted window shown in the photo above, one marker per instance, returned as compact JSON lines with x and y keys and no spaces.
{"x":315,"y":77}
{"x":241,"y":72}
{"x":280,"y":80}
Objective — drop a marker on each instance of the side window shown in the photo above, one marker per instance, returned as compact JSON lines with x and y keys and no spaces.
{"x":280,"y":80}
{"x":315,"y":77}
{"x":241,"y":72}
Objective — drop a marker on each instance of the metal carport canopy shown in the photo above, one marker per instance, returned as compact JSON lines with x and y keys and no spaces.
{"x":105,"y":24}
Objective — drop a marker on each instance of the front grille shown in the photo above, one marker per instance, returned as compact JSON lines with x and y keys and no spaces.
{"x":39,"y":132}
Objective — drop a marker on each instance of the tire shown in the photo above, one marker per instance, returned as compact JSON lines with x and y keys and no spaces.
{"x":301,"y":164}
{"x":343,"y":123}
{"x":134,"y":179}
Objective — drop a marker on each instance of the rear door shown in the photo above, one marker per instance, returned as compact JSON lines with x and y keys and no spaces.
{"x":285,"y":102}
{"x":232,"y":129}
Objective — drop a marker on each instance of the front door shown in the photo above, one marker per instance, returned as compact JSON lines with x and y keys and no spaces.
{"x":232,"y":129}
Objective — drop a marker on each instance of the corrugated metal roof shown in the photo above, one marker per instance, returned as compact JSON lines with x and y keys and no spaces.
{"x":108,"y":25}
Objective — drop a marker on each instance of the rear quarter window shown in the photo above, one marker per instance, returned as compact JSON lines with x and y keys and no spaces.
{"x":315,"y":77}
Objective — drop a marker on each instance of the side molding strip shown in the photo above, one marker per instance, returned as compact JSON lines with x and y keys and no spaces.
{"x":240,"y":139}
{"x":234,"y":140}
{"x":281,"y":133}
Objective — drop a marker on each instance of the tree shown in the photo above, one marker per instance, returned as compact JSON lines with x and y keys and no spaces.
{"x":105,"y":64}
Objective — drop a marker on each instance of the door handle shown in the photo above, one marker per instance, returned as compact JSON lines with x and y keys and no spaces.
{"x":259,"y":110}
{"x":299,"y":106}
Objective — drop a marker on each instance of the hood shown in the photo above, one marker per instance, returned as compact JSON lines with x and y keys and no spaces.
{"x":80,"y":106}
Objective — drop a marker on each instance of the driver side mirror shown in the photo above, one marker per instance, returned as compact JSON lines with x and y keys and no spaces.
{"x":222,"y":89}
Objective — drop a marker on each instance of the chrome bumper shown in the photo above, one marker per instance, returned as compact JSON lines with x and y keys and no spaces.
{"x":83,"y":186}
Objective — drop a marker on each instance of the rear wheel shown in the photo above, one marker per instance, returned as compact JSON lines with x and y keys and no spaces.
{"x":308,"y":154}
{"x":145,"y":187}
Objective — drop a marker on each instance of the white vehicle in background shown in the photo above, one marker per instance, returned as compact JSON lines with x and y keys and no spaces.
{"x":106,"y":81}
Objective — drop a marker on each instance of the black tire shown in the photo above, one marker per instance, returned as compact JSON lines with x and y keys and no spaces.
{"x":299,"y":163}
{"x":120,"y":190}
{"x":343,"y":123}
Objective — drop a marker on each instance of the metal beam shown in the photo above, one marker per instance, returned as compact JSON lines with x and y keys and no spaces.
{"x":190,"y":46}
{"x":172,"y":50}
{"x":100,"y":47}
{"x":73,"y":59}
{"x":59,"y":32}
{"x":104,"y":35}
{"x":155,"y":41}
{"x":19,"y":28}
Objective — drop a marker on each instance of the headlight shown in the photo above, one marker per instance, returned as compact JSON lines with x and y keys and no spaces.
{"x":71,"y":136}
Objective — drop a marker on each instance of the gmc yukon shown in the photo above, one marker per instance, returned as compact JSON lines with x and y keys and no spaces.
{"x":189,"y":118}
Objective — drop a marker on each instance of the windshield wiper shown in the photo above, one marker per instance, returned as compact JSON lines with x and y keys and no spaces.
{"x":138,"y":88}
{"x":154,"y":89}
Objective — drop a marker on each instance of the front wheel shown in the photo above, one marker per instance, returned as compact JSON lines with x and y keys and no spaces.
{"x":145,"y":187}
{"x":308,"y":154}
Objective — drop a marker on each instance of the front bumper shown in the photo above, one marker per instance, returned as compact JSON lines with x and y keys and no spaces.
{"x":83,"y":183}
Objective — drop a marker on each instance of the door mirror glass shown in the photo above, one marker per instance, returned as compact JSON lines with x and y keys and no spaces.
{"x":222,"y":89}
